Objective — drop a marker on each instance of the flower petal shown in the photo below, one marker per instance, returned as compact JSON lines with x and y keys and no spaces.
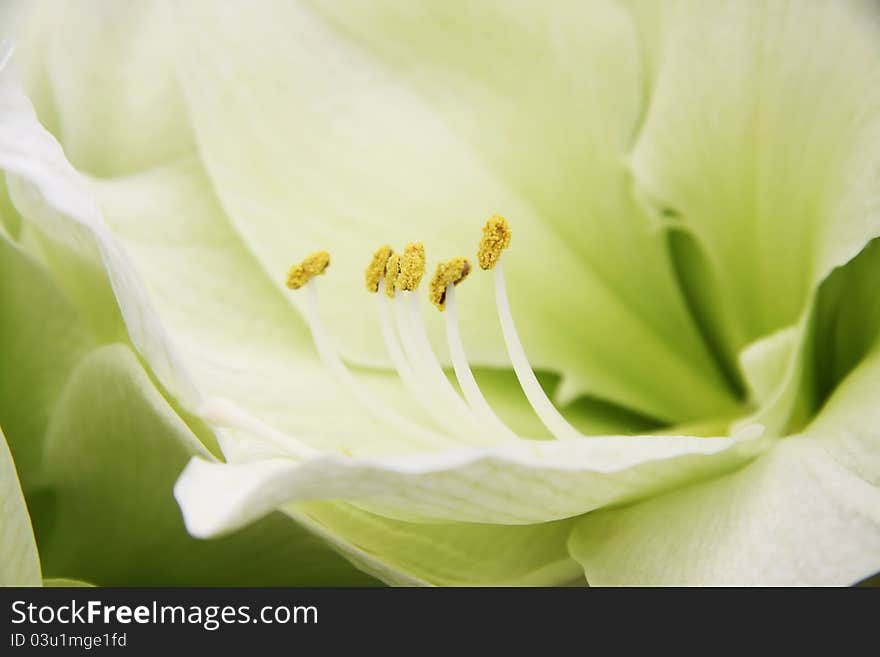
{"x":774,"y":170}
{"x":806,"y":513}
{"x":347,"y":151}
{"x":460,"y":554}
{"x":236,"y":333}
{"x":799,"y":367}
{"x":64,"y":582}
{"x":42,"y":337}
{"x":84,"y":258}
{"x":101,"y":76}
{"x":849,"y":425}
{"x":517,"y":483}
{"x":156,"y":443}
{"x":19,"y":560}
{"x":241,"y":340}
{"x":113,"y":451}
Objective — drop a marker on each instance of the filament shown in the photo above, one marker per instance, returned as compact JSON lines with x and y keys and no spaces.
{"x":425,"y":364}
{"x":332,"y":362}
{"x":463,"y":373}
{"x":224,"y":413}
{"x":545,"y":410}
{"x":398,"y":359}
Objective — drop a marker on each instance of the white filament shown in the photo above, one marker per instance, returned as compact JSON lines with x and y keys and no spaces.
{"x":7,"y":47}
{"x":332,"y":362}
{"x":224,"y":413}
{"x":427,"y":367}
{"x":546,"y":412}
{"x":463,"y":373}
{"x":419,"y":392}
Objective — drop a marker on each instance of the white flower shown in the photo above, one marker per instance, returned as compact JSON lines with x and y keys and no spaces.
{"x":693,"y":194}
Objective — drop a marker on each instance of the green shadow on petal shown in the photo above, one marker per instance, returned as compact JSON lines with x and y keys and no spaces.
{"x":19,"y":559}
{"x":113,"y":450}
{"x":65,"y":582}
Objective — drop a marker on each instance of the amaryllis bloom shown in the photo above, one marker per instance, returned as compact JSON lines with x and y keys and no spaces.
{"x":646,"y":230}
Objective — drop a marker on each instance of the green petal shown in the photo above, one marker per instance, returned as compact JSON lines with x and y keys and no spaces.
{"x":113,"y":451}
{"x":459,"y":554}
{"x":19,"y":560}
{"x":765,"y":362}
{"x":806,"y":513}
{"x":64,"y":582}
{"x":103,"y":82}
{"x":776,"y":195}
{"x":847,"y":318}
{"x":797,"y":368}
{"x":849,"y":425}
{"x":348,"y":152}
{"x":42,"y":337}
{"x":779,"y":371}
{"x":520,"y":483}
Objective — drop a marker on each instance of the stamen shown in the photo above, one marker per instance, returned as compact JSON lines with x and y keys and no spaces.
{"x":448,"y":273}
{"x":419,"y":369}
{"x":416,"y":388}
{"x":412,"y":266}
{"x":334,"y":363}
{"x":425,"y":364}
{"x":419,"y":354}
{"x":551,"y":418}
{"x":376,"y":269}
{"x":496,"y":238}
{"x":312,"y":266}
{"x":392,"y":272}
{"x":410,"y":350}
{"x":225,"y":413}
{"x":463,"y":373}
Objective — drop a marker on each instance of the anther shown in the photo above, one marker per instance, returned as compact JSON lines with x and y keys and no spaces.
{"x":312,"y":266}
{"x":496,"y":238}
{"x":392,"y":272}
{"x":376,"y":268}
{"x":448,"y":273}
{"x":412,"y":266}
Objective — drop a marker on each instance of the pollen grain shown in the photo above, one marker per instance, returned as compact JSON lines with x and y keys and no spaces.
{"x":392,"y":271}
{"x":412,"y":266}
{"x":376,"y":268}
{"x":496,"y":238}
{"x":448,"y":273}
{"x":312,"y":266}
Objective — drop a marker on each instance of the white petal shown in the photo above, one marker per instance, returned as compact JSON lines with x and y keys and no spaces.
{"x":805,"y":513}
{"x":512,"y":484}
{"x":87,"y":261}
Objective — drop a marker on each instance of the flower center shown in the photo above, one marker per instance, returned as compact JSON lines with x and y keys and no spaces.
{"x":394,"y":279}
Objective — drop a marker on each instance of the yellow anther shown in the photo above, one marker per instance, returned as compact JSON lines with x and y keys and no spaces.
{"x":448,"y":273}
{"x":313,"y":265}
{"x":496,"y":238}
{"x":376,"y":268}
{"x":412,"y":266}
{"x":392,"y":271}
